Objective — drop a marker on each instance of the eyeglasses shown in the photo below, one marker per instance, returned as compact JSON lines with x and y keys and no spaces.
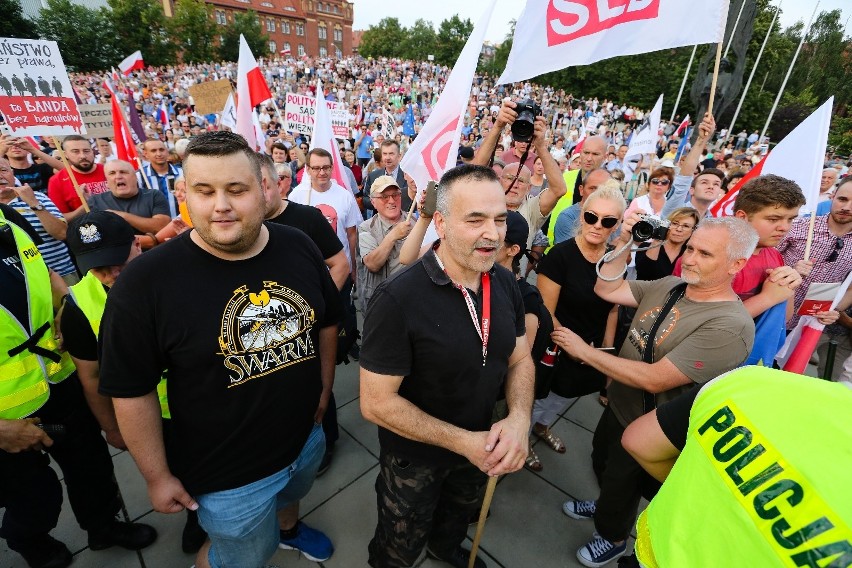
{"x":386,"y":196}
{"x":606,"y":222}
{"x":684,"y":226}
{"x":513,"y":178}
{"x":317,"y":169}
{"x":838,"y":246}
{"x":659,"y":181}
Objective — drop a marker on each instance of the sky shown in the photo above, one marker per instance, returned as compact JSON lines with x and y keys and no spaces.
{"x":369,"y":12}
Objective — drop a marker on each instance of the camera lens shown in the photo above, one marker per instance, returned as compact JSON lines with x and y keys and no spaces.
{"x":642,"y":231}
{"x":523,"y":128}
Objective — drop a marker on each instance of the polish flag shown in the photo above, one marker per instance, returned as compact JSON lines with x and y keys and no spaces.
{"x":323,"y":137}
{"x":251,"y":91}
{"x":802,"y":341}
{"x":125,"y":148}
{"x":163,"y":115}
{"x":132,"y":62}
{"x":683,"y":125}
{"x":435,"y":149}
{"x":799,"y":157}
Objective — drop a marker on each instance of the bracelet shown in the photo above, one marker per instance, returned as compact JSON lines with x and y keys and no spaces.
{"x":154,"y":237}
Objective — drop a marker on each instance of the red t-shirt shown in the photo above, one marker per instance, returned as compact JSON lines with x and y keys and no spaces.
{"x":61,"y":190}
{"x":748,"y":281}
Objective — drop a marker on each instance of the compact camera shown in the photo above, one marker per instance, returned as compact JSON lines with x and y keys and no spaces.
{"x":524,"y":126}
{"x":650,"y":227}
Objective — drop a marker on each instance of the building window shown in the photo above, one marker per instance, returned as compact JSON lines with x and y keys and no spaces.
{"x":289,"y":9}
{"x":319,"y":7}
{"x":285,"y":27}
{"x":286,"y":48}
{"x":323,"y":31}
{"x":337,"y":53}
{"x":267,"y":4}
{"x":301,"y":51}
{"x":272,"y":47}
{"x":323,"y":52}
{"x":245,"y":1}
{"x":336,"y":9}
{"x":338,"y":34}
{"x":300,"y":29}
{"x":221,"y":19}
{"x":270,"y":25}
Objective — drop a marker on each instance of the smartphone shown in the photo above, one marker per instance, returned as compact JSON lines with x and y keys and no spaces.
{"x":5,"y":129}
{"x":431,"y":199}
{"x":55,"y":431}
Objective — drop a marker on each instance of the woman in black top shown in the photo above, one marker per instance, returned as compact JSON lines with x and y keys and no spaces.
{"x":657,"y":262}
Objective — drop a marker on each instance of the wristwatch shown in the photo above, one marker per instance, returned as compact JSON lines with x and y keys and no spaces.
{"x":38,"y":207}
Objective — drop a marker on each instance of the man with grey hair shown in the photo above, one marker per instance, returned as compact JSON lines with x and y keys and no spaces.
{"x":147,"y":210}
{"x":826,"y":183}
{"x":704,"y":331}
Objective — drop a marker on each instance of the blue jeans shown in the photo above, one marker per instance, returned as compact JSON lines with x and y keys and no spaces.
{"x":242,"y":522}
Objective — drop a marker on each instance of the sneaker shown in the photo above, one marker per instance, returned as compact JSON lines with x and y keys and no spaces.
{"x":458,"y":559}
{"x":580,"y":510}
{"x":599,"y":551}
{"x":313,"y":544}
{"x":45,"y":552}
{"x":132,"y":536}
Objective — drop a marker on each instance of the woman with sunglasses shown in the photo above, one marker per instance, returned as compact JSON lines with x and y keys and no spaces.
{"x":566,"y":280}
{"x":657,"y":262}
{"x":652,"y":202}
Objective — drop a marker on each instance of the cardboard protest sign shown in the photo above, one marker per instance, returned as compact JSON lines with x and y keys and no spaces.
{"x":299,"y":115}
{"x":98,"y":120}
{"x":36,"y":98}
{"x":210,"y":97}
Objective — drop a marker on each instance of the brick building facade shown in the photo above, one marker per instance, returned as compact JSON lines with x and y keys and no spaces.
{"x":304,"y":27}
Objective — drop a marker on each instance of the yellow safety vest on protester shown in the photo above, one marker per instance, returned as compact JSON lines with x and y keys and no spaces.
{"x":90,"y":296}
{"x":762,"y":479}
{"x":29,"y":363}
{"x":562,"y":204}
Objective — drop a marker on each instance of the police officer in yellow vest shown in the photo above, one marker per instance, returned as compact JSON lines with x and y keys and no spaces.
{"x":39,"y":381}
{"x":762,"y":459}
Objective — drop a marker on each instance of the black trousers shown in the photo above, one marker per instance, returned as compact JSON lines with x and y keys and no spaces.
{"x":29,"y":488}
{"x":622,"y":480}
{"x":422,"y":504}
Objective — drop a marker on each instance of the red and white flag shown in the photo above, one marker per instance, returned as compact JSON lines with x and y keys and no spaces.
{"x":683,"y":126}
{"x":251,"y":91}
{"x":131,"y":63}
{"x":555,"y":34}
{"x":799,"y":157}
{"x":323,"y":137}
{"x":435,"y":149}
{"x":802,"y":341}
{"x":125,"y":148}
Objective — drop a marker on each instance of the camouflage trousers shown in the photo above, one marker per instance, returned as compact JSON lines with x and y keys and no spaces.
{"x":422,"y":505}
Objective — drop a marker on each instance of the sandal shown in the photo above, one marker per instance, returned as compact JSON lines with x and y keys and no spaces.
{"x":550,"y":438}
{"x":533,"y":463}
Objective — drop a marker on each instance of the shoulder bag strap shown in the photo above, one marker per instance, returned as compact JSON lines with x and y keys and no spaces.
{"x":675,"y":294}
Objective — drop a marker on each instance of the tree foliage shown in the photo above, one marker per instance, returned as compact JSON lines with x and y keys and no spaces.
{"x":142,"y":25}
{"x":384,"y":39}
{"x":452,"y":35}
{"x":247,"y":24}
{"x":194,"y":28}
{"x":420,"y":41}
{"x":14,"y":23}
{"x":85,"y":36}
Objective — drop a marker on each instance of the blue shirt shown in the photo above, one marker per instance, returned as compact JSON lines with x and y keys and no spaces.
{"x":566,"y":224}
{"x":363,"y":150}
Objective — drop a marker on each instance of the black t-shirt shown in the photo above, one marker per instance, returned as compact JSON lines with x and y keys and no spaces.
{"x":13,"y":284}
{"x":578,"y":307}
{"x":418,"y":327}
{"x":673,"y":417}
{"x":36,"y":176}
{"x":647,"y":269}
{"x":313,"y":223}
{"x":78,"y":337}
{"x":240,"y":340}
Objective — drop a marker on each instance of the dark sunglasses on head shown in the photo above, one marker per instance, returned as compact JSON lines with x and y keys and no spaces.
{"x":838,"y":246}
{"x":659,"y":181}
{"x":606,"y":222}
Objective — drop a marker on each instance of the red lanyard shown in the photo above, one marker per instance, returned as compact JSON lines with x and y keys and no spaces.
{"x":484,"y":329}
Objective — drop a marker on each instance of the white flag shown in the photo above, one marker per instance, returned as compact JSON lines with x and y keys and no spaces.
{"x":434,"y":150}
{"x":388,"y":126}
{"x":323,"y":137}
{"x":251,"y":91}
{"x":555,"y":34}
{"x":229,"y":113}
{"x":644,"y":138}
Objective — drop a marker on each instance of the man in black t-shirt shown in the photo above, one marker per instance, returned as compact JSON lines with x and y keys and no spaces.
{"x":430,"y":377}
{"x":244,"y":314}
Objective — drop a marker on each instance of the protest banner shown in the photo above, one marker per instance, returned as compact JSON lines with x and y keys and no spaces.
{"x":98,"y":120}
{"x":36,"y":97}
{"x":299,"y":115}
{"x":210,"y":97}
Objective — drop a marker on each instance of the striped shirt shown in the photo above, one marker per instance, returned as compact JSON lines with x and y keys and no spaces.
{"x":54,"y":252}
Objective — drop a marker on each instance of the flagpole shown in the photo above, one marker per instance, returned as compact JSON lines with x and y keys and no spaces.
{"x":734,"y":29}
{"x":683,"y":83}
{"x":715,"y":78}
{"x":810,"y":236}
{"x":71,"y":174}
{"x":789,"y":72}
{"x":751,"y":76}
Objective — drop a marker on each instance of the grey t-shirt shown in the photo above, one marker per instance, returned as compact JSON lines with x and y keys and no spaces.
{"x":146,"y":203}
{"x":702,"y":339}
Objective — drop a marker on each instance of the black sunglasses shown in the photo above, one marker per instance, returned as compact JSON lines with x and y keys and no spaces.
{"x":606,"y":222}
{"x":838,"y":246}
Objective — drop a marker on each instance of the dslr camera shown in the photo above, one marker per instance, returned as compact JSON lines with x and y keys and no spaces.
{"x":650,"y":227}
{"x":524,"y":126}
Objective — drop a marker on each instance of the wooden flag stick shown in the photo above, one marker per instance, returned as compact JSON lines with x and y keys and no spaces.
{"x":70,"y":173}
{"x":483,"y":514}
{"x":810,"y":236}
{"x":411,"y":209}
{"x":715,"y":77}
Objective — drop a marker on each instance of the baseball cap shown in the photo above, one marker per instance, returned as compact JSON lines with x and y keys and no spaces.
{"x":99,"y":238}
{"x":517,"y":229}
{"x":381,"y":184}
{"x":466,"y":152}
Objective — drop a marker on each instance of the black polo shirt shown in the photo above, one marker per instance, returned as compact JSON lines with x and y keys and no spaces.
{"x":418,"y":326}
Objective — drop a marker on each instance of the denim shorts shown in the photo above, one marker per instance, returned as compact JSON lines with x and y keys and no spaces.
{"x":242,"y":523}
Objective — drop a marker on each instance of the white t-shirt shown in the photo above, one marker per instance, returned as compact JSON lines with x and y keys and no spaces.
{"x":337,"y":204}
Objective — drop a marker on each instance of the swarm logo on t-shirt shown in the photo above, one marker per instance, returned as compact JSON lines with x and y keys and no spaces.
{"x":642,"y":324}
{"x":265,"y":331}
